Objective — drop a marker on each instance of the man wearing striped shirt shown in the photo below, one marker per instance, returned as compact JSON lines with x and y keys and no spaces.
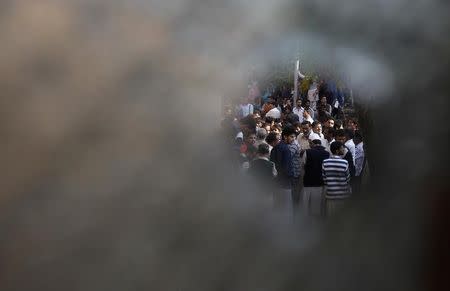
{"x":336,"y":178}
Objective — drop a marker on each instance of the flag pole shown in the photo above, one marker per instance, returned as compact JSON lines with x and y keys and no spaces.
{"x":296,"y":73}
{"x":297,"y":66}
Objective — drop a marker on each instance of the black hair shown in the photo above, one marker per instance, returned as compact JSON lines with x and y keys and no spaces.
{"x":330,"y":131}
{"x":352,"y":120}
{"x":317,"y":142}
{"x":261,"y":133}
{"x":271,"y":137}
{"x":287,"y":107}
{"x":269,"y":119}
{"x":306,"y":123}
{"x":288,"y":130}
{"x":263,"y":149}
{"x":297,"y":124}
{"x":339,"y":132}
{"x":338,"y":123}
{"x":315,"y":123}
{"x":349,"y":133}
{"x":335,"y":146}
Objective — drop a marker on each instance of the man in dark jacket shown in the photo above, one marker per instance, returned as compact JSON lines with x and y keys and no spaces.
{"x":281,"y":156}
{"x":313,"y":193}
{"x":262,"y":170}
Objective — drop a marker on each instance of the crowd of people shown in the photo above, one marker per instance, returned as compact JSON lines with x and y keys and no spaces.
{"x":306,"y":153}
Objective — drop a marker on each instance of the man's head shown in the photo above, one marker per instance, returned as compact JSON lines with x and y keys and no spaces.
{"x":338,"y":124}
{"x":340,"y":136}
{"x":273,"y":139}
{"x":269,"y":120}
{"x":323,"y":100}
{"x":299,"y":103}
{"x":259,"y":123}
{"x":329,"y":122}
{"x":261,"y":134}
{"x":328,"y":133}
{"x":321,"y":108}
{"x":250,"y":137}
{"x":298,"y":127}
{"x":337,"y":148}
{"x":276,"y":128}
{"x":352,"y":124}
{"x":287,"y":109}
{"x":349,"y":133}
{"x":316,"y":142}
{"x":306,"y":128}
{"x":263,"y":150}
{"x":289,"y":134}
{"x":317,"y":127}
{"x":307,"y":104}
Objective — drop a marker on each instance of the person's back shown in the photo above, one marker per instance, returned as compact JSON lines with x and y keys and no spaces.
{"x":336,"y":178}
{"x":262,"y":168}
{"x":281,"y":156}
{"x":313,"y":165}
{"x":313,"y":198}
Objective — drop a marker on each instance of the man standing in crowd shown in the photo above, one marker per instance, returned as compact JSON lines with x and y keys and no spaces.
{"x":352,"y":125}
{"x":296,"y":167}
{"x":341,"y":137}
{"x":313,"y":198}
{"x":261,"y":167}
{"x":289,"y":116}
{"x":308,"y":113}
{"x":327,"y":107}
{"x":349,"y":144}
{"x":303,"y":138}
{"x":272,"y":140}
{"x":245,"y":108}
{"x":298,"y":109}
{"x":262,"y":170}
{"x":281,"y":156}
{"x":328,"y":134}
{"x":336,"y":177}
{"x":329,"y":122}
{"x":269,"y":105}
{"x":322,"y":115}
{"x":359,"y":161}
{"x":316,"y":131}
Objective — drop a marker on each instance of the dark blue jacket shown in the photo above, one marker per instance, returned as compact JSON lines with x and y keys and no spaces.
{"x":281,"y":156}
{"x":313,"y":166}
